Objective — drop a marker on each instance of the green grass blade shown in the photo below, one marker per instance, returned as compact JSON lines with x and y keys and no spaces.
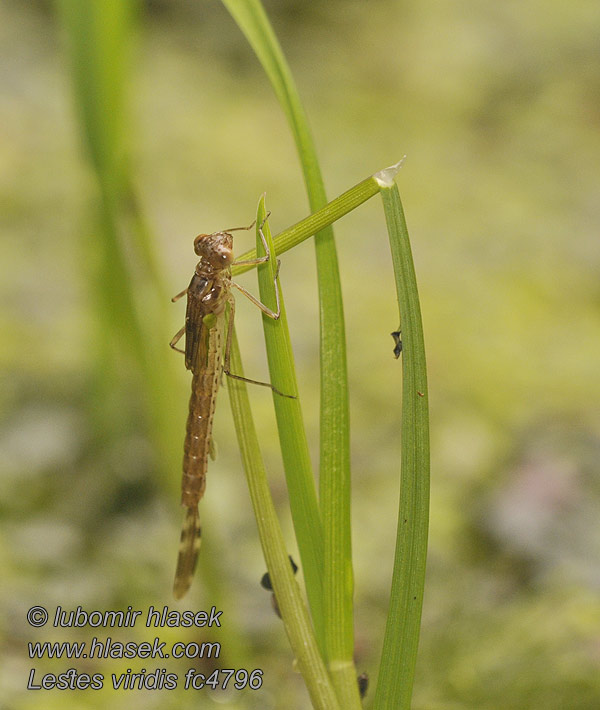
{"x":307,"y":227}
{"x":125,"y":279}
{"x":293,"y":610}
{"x":98,"y":46}
{"x":292,"y":437}
{"x":334,"y":469}
{"x":399,"y":654}
{"x":99,"y":43}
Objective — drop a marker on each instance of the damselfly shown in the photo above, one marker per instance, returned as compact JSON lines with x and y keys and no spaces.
{"x":208,"y":294}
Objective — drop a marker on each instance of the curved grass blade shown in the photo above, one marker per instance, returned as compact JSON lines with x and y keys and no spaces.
{"x":399,"y":654}
{"x":334,"y":468}
{"x":292,"y":438}
{"x":287,"y":592}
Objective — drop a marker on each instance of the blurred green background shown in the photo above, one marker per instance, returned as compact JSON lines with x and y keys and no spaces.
{"x":497,"y":107}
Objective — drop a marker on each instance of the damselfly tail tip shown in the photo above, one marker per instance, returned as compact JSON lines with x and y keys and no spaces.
{"x":189,"y":546}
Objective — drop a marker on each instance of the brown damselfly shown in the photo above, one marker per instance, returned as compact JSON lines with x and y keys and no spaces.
{"x":208,"y":294}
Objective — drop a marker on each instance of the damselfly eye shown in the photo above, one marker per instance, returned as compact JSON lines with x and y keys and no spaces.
{"x":198,"y":243}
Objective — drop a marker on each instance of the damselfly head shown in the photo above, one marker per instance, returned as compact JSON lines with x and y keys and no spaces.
{"x":215,"y":248}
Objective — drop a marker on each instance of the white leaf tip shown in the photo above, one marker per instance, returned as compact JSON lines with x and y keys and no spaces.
{"x":385,"y":177}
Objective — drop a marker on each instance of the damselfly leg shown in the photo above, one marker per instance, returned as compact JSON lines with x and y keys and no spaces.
{"x":176,"y":338}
